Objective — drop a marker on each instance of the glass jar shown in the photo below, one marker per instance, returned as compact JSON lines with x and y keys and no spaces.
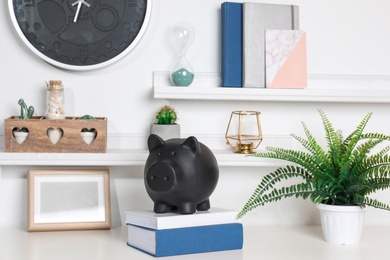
{"x":55,"y":100}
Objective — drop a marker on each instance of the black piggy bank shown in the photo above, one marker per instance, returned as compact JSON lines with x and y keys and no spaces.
{"x":180,"y":175}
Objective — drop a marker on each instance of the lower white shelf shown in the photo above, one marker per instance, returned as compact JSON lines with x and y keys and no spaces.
{"x":287,"y":242}
{"x":120,"y":157}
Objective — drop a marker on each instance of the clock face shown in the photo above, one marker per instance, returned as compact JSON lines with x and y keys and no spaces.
{"x":80,"y":34}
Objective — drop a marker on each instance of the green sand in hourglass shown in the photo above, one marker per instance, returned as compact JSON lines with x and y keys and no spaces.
{"x":182,"y":77}
{"x":182,"y":73}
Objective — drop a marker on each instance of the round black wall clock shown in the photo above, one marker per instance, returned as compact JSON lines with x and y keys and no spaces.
{"x":80,"y":34}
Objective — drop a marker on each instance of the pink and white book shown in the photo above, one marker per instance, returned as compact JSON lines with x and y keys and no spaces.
{"x":286,"y":65}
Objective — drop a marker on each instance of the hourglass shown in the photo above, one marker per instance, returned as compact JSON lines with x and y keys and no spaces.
{"x":182,"y":73}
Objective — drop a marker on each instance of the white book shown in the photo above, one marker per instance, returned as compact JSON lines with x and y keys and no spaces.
{"x":258,"y":17}
{"x":152,"y":220}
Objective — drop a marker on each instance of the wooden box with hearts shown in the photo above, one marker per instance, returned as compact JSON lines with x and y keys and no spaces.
{"x":69,"y":135}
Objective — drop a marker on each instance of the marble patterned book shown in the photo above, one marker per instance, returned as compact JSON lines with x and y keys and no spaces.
{"x":285,"y":59}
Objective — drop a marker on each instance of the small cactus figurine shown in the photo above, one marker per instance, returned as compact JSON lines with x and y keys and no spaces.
{"x":166,"y":115}
{"x":25,"y":113}
{"x":87,"y":117}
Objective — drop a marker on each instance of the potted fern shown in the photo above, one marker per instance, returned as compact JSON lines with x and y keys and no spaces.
{"x":338,"y":179}
{"x":165,"y":125}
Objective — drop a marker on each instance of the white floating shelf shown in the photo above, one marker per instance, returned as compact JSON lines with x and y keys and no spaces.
{"x":120,"y":157}
{"x":325,"y":88}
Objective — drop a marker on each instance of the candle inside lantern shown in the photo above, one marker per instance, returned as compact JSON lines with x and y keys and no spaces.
{"x":244,"y":131}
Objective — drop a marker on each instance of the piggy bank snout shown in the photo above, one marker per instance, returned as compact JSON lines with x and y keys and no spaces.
{"x":160,"y":177}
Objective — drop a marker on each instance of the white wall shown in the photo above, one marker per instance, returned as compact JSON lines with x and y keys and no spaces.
{"x":346,"y":38}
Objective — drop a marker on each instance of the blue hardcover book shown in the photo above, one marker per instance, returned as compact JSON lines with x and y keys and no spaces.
{"x":231,"y":41}
{"x":191,"y":240}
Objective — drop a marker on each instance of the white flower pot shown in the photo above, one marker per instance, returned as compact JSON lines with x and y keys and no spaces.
{"x":165,"y":131}
{"x":20,"y":137}
{"x":341,"y":225}
{"x":88,"y":137}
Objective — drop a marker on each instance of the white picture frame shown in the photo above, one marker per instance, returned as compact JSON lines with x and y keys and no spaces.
{"x":68,"y":200}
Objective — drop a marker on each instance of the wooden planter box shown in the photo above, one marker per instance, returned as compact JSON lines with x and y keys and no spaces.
{"x":71,"y":142}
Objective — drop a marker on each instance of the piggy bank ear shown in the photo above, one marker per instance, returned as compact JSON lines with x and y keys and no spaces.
{"x":191,"y":143}
{"x":154,"y":141}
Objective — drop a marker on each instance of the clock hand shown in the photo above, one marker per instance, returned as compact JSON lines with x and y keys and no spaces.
{"x":85,"y":3}
{"x":77,"y":11}
{"x":82,"y":1}
{"x":79,"y":3}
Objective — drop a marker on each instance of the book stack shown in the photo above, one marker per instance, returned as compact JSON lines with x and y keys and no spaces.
{"x":169,"y":234}
{"x":262,"y":46}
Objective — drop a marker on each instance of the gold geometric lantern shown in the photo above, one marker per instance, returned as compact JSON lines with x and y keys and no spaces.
{"x":244,"y":131}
